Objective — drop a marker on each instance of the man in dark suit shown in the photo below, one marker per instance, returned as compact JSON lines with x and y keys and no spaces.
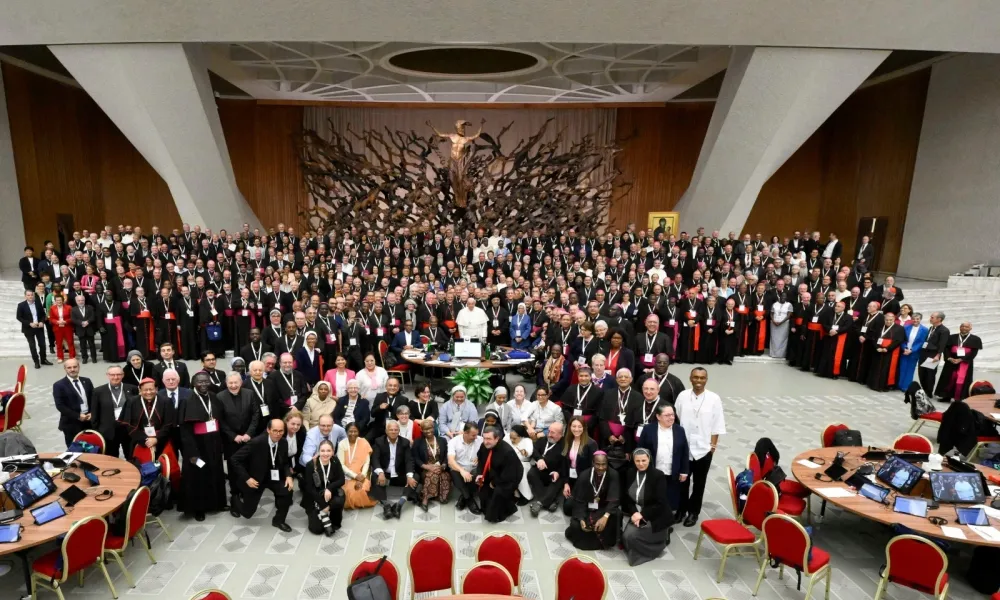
{"x":109,"y":402}
{"x":31,"y":314}
{"x":406,"y":339}
{"x":73,"y":399}
{"x":29,"y":268}
{"x":436,"y":334}
{"x":384,"y":407}
{"x":543,"y":477}
{"x":167,"y":362}
{"x":84,"y":319}
{"x":934,"y":348}
{"x":286,"y":387}
{"x":392,"y":464}
{"x":238,"y":421}
{"x":263,"y":464}
{"x":866,"y":252}
{"x":675,"y":463}
{"x":173,"y":392}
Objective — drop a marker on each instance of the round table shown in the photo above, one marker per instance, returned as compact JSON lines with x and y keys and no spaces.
{"x":482,"y":364}
{"x":984,"y":404}
{"x":869,"y":509}
{"x":35,"y":535}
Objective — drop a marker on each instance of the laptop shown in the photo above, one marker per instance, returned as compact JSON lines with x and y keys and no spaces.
{"x":874,"y":492}
{"x":29,"y":487}
{"x":956,"y":488}
{"x":899,"y":475}
{"x":910,"y":506}
{"x":469,"y":350}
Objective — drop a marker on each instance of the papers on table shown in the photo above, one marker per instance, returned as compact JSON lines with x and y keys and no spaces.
{"x":835,"y":492}
{"x":990,"y":511}
{"x":990,"y":534}
{"x":953,"y":532}
{"x":435,"y":362}
{"x":930,"y":363}
{"x":808,"y":464}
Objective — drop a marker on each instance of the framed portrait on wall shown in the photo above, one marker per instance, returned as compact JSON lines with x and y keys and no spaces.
{"x":666,"y":222}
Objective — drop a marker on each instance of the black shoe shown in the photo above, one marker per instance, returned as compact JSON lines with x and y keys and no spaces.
{"x":234,"y":513}
{"x":425,"y":506}
{"x":386,"y":511}
{"x":553,"y":507}
{"x":282,"y":526}
{"x":199,"y":516}
{"x":522,"y":501}
{"x":46,"y":362}
{"x":474,"y":508}
{"x":37,"y":365}
{"x":536,"y":508}
{"x":461,"y":504}
{"x":690,"y":520}
{"x":85,"y":361}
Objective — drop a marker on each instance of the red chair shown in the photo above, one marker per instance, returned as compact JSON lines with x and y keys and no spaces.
{"x":401,"y":370}
{"x":22,"y":377}
{"x":82,"y":547}
{"x":733,"y":534}
{"x":488,"y":577}
{"x":787,"y":543}
{"x":431,"y":562}
{"x":580,"y":578}
{"x":135,"y":523}
{"x":913,"y":442}
{"x":504,"y":549}
{"x":211,"y":595}
{"x":826,"y":438}
{"x":787,"y":486}
{"x":91,"y":437}
{"x":926,"y":418}
{"x":13,"y":414}
{"x":916,"y":563}
{"x":425,"y":340}
{"x":389,"y":572}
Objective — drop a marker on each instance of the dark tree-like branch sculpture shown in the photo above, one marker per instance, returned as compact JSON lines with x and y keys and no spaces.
{"x":384,"y":180}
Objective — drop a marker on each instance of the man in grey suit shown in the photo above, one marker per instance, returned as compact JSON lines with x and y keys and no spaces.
{"x":84,"y":319}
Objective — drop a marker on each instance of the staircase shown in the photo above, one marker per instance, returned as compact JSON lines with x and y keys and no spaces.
{"x":960,"y":304}
{"x":12,"y":343}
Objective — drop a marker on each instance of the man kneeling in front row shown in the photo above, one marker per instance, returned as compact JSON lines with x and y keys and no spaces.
{"x":263,"y":464}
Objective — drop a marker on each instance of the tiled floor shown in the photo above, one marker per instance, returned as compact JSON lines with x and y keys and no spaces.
{"x":251,"y":559}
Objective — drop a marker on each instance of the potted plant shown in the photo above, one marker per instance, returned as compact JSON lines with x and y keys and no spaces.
{"x":476,"y":382}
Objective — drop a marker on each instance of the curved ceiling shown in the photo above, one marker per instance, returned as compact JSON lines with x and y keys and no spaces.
{"x":503,"y":73}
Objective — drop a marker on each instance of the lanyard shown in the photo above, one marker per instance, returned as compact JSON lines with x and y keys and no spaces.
{"x":886,"y":330}
{"x":260,"y":392}
{"x":273,"y":449}
{"x":579,"y":395}
{"x":961,"y":342}
{"x":289,"y":381}
{"x":207,"y":407}
{"x":622,"y":401}
{"x":257,"y":352}
{"x":141,"y":370}
{"x":638,"y":489}
{"x":118,"y":401}
{"x":149,"y":418}
{"x":650,"y":342}
{"x":645,"y":415}
{"x":547,"y":448}
{"x":597,"y":488}
{"x":870,"y":319}
{"x":326,"y":472}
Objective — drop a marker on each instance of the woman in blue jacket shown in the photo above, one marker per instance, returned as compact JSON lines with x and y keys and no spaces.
{"x":916,"y":335}
{"x":520,"y":328}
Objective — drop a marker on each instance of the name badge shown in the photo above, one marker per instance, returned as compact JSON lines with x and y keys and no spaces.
{"x":760,"y":307}
{"x":353,"y":341}
{"x":149,"y":431}
{"x":648,"y":357}
{"x":732,"y":323}
{"x":709,"y":322}
{"x":692,"y":314}
{"x":190,"y":313}
{"x":274,"y":475}
{"x":864,"y":328}
{"x":118,"y":413}
{"x":246,"y":313}
{"x":368,"y":330}
{"x":211,"y":425}
{"x":380,"y":332}
{"x":742,"y":308}
{"x":671,"y":322}
{"x":638,"y":431}
{"x":572,"y":473}
{"x":496,"y":322}
{"x":592,"y":505}
{"x":577,"y":412}
{"x":621,"y":418}
{"x":815,"y":319}
{"x":265,"y":410}
{"x":925,"y":345}
{"x":833,"y":329}
{"x":214,"y":312}
{"x":330,"y":338}
{"x":960,"y":352}
{"x":293,"y":399}
{"x":582,"y":360}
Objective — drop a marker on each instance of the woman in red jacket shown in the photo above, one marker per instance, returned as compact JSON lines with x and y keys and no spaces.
{"x":62,"y":326}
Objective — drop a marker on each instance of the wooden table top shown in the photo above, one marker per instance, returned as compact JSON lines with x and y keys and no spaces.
{"x":984,"y":404}
{"x":121,"y":484}
{"x":869,"y":509}
{"x":483,"y":364}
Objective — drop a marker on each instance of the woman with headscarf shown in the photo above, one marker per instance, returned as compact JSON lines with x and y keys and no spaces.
{"x":498,"y":403}
{"x":555,"y":372}
{"x":238,"y":365}
{"x":520,"y":328}
{"x":136,"y":368}
{"x":274,"y":331}
{"x":518,"y":439}
{"x":320,"y":402}
{"x":491,"y":419}
{"x":645,"y":511}
{"x":594,"y":523}
{"x":781,"y":311}
{"x":322,"y":490}
{"x":309,"y":359}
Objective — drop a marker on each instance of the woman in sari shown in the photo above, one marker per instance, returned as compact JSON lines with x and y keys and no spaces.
{"x":556,"y":372}
{"x":355,"y":456}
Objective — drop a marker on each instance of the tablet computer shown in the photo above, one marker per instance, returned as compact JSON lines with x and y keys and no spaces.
{"x":874,"y":492}
{"x":29,"y":487}
{"x":958,"y":487}
{"x":971,"y":516}
{"x":10,"y":533}
{"x":72,"y":495}
{"x":47,"y":513}
{"x":899,"y":475}
{"x":92,"y":478}
{"x":910,"y":506}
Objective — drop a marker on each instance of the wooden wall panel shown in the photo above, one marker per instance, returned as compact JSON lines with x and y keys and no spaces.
{"x":660,"y":149}
{"x":789,"y":201}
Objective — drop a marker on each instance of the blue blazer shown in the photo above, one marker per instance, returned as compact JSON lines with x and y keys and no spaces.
{"x":918,"y":343}
{"x":681,"y":464}
{"x":400,"y":341}
{"x":68,"y":401}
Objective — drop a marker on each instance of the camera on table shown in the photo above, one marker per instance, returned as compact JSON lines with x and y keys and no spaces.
{"x":324,"y":518}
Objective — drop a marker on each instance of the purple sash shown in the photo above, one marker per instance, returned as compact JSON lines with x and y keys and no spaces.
{"x":118,"y":327}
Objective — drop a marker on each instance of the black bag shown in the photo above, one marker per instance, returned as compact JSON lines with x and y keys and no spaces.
{"x":847,"y":437}
{"x":983,"y":575}
{"x":776,"y":476}
{"x":370,"y":587}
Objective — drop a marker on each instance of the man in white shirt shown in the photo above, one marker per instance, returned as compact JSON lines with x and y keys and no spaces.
{"x":462,"y":451}
{"x":325,"y":430}
{"x":471,"y":321}
{"x":700,"y":414}
{"x":393,"y":465}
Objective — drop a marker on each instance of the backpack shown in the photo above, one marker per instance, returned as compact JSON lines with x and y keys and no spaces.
{"x":917,"y":399}
{"x":744,"y":481}
{"x":83,"y":448}
{"x":213,"y":331}
{"x":847,"y":437}
{"x":160,"y":492}
{"x":370,"y":587}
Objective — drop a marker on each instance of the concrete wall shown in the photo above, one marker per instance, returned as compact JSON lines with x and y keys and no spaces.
{"x":953,"y":218}
{"x":12,"y":223}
